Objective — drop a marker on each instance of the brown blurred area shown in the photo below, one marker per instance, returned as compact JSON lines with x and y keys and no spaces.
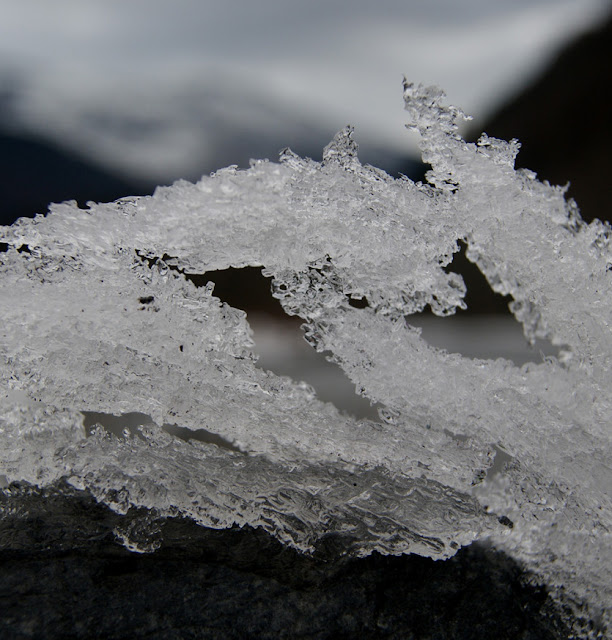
{"x":564,"y":122}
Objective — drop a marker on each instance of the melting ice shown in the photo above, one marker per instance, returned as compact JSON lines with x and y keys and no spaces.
{"x":97,"y":316}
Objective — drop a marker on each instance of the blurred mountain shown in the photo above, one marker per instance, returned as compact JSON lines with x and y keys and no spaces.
{"x":563,"y":122}
{"x":183,"y":133}
{"x":36,"y":172}
{"x":561,"y":119}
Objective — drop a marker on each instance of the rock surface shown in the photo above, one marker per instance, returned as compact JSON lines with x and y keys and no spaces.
{"x":63,"y":574}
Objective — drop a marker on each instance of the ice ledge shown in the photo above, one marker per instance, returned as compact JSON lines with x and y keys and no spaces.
{"x":98,"y":316}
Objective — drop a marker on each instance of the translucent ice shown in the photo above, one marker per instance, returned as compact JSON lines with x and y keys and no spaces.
{"x":98,"y":316}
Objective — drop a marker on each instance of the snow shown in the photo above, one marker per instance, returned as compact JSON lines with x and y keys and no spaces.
{"x":99,"y":317}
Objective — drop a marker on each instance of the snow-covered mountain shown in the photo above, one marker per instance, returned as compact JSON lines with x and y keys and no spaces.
{"x":157,"y":91}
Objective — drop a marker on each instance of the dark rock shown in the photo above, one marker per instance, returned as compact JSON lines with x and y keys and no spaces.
{"x":64,"y":575}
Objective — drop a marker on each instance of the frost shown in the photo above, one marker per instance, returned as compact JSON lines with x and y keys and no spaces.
{"x":98,"y":316}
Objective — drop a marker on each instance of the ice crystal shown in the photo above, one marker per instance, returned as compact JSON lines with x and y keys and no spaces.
{"x":98,"y":316}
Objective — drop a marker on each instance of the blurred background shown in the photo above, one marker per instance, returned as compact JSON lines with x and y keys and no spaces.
{"x":105,"y":98}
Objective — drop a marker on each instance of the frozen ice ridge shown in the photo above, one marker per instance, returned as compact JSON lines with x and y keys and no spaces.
{"x":97,"y":315}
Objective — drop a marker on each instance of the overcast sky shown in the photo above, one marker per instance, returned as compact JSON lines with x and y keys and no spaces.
{"x":180,"y":71}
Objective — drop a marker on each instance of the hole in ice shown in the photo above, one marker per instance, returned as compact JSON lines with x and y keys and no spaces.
{"x":486,"y":329}
{"x":3,"y":247}
{"x":359,"y":303}
{"x":480,"y":298}
{"x":491,"y":492}
{"x":283,"y":350}
{"x":118,"y":425}
{"x":201,"y":435}
{"x":279,"y":339}
{"x":483,"y":337}
{"x":499,"y":462}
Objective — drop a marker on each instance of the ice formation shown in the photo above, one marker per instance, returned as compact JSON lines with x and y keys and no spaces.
{"x":97,"y":315}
